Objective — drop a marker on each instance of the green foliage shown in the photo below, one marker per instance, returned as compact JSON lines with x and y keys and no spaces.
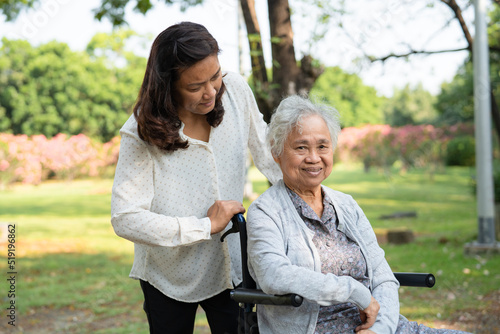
{"x":12,"y":8}
{"x":461,"y":151}
{"x":494,"y":27}
{"x":50,"y":89}
{"x":410,"y":106}
{"x":114,"y":10}
{"x":494,"y":38}
{"x":456,"y":102}
{"x":357,"y":103}
{"x":496,"y":180}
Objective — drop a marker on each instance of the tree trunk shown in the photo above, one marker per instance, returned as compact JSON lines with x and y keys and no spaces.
{"x":288,"y":78}
{"x":285,"y":68}
{"x":259,"y":71}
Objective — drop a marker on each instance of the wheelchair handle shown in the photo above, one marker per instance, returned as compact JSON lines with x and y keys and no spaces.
{"x":235,"y":228}
{"x":416,"y":279}
{"x":254,"y":296}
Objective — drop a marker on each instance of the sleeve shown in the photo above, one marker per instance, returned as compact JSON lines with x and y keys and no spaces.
{"x":384,"y":285}
{"x":132,"y":195}
{"x":275,"y":273}
{"x":260,"y":150}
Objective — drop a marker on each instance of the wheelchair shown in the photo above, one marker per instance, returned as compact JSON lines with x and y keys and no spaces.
{"x":248,"y":296}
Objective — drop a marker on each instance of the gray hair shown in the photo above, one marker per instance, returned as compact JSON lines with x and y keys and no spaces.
{"x":289,"y":114}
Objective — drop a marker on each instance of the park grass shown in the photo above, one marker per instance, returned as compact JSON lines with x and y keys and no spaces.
{"x":73,"y":269}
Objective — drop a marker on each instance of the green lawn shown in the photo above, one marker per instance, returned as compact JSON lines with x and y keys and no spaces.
{"x":73,"y":270}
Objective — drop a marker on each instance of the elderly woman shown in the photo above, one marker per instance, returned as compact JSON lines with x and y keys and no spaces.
{"x":308,"y":239}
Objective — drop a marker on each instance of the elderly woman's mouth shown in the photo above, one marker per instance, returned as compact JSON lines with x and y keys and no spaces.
{"x":313,"y":171}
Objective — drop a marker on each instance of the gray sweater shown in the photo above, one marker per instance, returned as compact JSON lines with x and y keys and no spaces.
{"x":283,"y":259}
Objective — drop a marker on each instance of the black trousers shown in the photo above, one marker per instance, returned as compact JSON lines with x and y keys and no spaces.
{"x":170,"y":316}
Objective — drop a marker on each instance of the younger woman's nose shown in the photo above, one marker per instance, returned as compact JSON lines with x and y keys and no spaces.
{"x":210,"y":91}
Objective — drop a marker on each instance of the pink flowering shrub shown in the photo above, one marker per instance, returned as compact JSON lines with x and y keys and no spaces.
{"x":107,"y":157}
{"x":374,"y":145}
{"x":420,"y":145}
{"x":412,"y":145}
{"x":36,"y":158}
{"x":70,"y":157}
{"x":19,"y":160}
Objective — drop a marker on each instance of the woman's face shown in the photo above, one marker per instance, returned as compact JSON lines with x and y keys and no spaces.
{"x":197,"y":87}
{"x":307,"y":157}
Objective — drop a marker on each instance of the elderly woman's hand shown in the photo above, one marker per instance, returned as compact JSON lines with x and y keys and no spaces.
{"x":368,"y":316}
{"x":221,"y":212}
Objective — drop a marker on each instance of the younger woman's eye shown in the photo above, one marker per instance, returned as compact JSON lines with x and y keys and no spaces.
{"x":215,"y":77}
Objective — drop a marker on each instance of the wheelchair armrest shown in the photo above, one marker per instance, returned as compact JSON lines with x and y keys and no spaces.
{"x":255,"y":296}
{"x":416,"y":279}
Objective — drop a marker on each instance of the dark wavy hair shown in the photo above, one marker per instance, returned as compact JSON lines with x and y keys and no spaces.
{"x":175,"y":49}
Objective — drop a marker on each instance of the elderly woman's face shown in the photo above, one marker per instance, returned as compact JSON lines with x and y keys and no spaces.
{"x":307,"y":157}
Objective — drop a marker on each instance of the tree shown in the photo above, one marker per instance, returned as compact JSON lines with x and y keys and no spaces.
{"x":458,"y":9}
{"x":50,"y":89}
{"x":455,"y":103}
{"x":410,"y":106}
{"x":357,"y":103}
{"x":289,"y":76}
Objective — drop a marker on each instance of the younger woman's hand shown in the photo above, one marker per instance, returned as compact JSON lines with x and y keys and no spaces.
{"x":221,"y":212}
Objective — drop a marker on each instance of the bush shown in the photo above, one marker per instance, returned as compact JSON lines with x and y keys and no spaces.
{"x":35,"y":159}
{"x":461,"y":151}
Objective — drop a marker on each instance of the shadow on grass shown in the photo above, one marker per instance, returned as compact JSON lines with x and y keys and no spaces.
{"x":80,"y":293}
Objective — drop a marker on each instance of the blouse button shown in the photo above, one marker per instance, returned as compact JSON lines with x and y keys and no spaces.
{"x":328,"y":244}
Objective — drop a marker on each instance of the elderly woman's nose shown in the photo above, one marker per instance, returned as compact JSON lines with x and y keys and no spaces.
{"x":313,"y":156}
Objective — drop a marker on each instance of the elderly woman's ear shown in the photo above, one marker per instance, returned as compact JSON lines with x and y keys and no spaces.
{"x":277,"y":159}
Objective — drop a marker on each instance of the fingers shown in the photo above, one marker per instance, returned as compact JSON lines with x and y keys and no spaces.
{"x":369,"y":315}
{"x":221,"y":212}
{"x":362,"y":315}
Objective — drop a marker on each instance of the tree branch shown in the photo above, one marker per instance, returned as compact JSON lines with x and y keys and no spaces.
{"x":413,"y":52}
{"x":458,"y":14}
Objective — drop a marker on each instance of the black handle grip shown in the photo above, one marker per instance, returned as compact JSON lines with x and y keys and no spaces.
{"x":416,"y":279}
{"x":251,"y":296}
{"x":235,"y":228}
